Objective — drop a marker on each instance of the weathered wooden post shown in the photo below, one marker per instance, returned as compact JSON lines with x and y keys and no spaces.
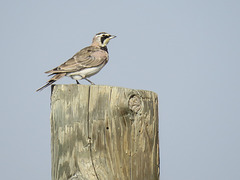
{"x":104,"y":133}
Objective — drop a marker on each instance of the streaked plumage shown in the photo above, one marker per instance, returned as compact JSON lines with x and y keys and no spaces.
{"x":85,"y":63}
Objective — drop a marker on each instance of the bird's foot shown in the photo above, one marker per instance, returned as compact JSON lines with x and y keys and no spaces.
{"x":77,"y":82}
{"x":90,"y":81}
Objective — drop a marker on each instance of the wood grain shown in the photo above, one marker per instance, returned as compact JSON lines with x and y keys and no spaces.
{"x":104,"y":133}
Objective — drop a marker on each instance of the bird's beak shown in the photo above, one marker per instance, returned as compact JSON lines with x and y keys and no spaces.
{"x":112,"y":36}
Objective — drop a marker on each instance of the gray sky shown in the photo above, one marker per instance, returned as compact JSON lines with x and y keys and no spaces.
{"x":185,"y":51}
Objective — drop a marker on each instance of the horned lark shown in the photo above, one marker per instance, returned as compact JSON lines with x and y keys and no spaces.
{"x":85,"y":63}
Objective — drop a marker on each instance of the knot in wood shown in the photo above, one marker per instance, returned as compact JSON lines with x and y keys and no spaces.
{"x":135,"y":103}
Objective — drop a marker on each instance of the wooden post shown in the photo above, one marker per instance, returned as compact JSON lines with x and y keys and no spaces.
{"x":104,"y":133}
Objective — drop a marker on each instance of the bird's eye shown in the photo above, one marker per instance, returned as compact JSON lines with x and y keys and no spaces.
{"x":104,"y":37}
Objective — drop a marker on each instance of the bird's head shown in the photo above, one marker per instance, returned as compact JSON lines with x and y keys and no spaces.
{"x":102,"y":39}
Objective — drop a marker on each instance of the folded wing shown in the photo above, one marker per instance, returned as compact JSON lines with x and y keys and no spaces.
{"x":87,"y":57}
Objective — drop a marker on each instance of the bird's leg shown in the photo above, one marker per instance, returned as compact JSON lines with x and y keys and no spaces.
{"x":77,"y":82}
{"x":89,"y":81}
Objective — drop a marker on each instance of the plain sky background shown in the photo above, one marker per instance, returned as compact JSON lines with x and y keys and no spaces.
{"x":187,"y":51}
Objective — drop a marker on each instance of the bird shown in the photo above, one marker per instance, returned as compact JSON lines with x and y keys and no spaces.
{"x":85,"y":63}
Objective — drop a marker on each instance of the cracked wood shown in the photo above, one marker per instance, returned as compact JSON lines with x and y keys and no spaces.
{"x":104,"y":133}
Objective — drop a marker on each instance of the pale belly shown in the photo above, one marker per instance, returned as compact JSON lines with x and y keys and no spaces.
{"x":78,"y":75}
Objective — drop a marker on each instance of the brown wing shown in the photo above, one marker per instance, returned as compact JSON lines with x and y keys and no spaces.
{"x":87,"y":57}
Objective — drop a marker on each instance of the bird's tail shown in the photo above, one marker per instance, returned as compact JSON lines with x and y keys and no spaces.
{"x":46,"y":85}
{"x":52,"y":80}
